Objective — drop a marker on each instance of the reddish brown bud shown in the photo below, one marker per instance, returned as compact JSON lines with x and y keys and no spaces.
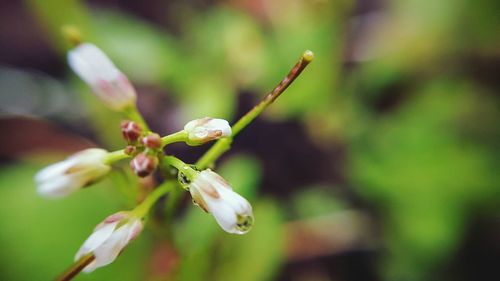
{"x":143,"y":165}
{"x":152,"y":141}
{"x":131,"y":131}
{"x":130,"y":149}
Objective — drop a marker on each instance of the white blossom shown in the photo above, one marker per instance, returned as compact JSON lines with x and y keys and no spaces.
{"x":109,"y":238}
{"x":206,"y":129}
{"x":213,"y":194}
{"x":97,"y":70}
{"x":77,"y":171}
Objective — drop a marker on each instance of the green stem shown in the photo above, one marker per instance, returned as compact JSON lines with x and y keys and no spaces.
{"x":304,"y":60}
{"x":224,"y":144}
{"x":133,"y":114}
{"x":118,"y":155}
{"x":180,"y":136}
{"x":172,"y":203}
{"x":76,"y":268}
{"x":142,"y":209}
{"x":182,"y":167}
{"x":219,"y":148}
{"x":115,"y":156}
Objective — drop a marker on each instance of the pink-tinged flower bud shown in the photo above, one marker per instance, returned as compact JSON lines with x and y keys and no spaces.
{"x":77,"y":171}
{"x":143,"y":165}
{"x":214,"y":195}
{"x":206,"y":129}
{"x":131,"y":131}
{"x":109,"y":238}
{"x":97,"y":70}
{"x":152,"y":141}
{"x":130,"y":150}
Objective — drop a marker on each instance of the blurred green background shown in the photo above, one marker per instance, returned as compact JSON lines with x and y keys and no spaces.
{"x":381,"y":162}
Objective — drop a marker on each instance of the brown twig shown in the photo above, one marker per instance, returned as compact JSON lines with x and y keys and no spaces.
{"x":76,"y":268}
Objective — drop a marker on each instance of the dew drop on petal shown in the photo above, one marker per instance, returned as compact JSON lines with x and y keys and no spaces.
{"x":244,"y":223}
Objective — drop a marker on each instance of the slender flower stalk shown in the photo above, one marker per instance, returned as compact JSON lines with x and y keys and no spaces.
{"x":115,"y":156}
{"x":180,"y":136}
{"x":183,"y":168}
{"x":76,"y":267}
{"x":77,"y":171}
{"x":142,"y":209}
{"x":224,"y":144}
{"x":132,"y":113}
{"x":304,"y":60}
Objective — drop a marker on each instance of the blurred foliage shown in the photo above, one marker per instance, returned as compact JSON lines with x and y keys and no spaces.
{"x":47,"y":233}
{"x":423,"y":176}
{"x":400,"y":89}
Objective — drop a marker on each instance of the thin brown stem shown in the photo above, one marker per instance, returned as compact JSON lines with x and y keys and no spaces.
{"x":76,"y":268}
{"x":224,"y":144}
{"x":304,"y":60}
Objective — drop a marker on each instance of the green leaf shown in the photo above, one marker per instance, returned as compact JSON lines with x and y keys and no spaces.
{"x":423,"y":169}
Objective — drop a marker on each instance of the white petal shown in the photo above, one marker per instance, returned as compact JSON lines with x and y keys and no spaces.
{"x":222,"y":125}
{"x":58,"y":187}
{"x":65,"y":177}
{"x":53,"y":171}
{"x":221,"y":201}
{"x":91,"y":64}
{"x":227,"y":208}
{"x":107,"y":252}
{"x":96,"y":239}
{"x":206,"y":129}
{"x":191,"y":125}
{"x":224,"y":215}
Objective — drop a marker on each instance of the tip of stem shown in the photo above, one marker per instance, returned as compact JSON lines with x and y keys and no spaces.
{"x":308,"y":55}
{"x":72,"y":34}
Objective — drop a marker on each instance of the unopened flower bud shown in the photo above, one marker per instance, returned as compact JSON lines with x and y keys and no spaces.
{"x":97,"y":70}
{"x":131,"y":131}
{"x":206,"y":129}
{"x":152,"y":141}
{"x":77,"y":171}
{"x":214,"y":195}
{"x":109,"y":238}
{"x":130,"y":149}
{"x":143,"y":164}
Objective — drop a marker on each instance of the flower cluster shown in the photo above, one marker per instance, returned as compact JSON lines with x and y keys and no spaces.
{"x":144,"y":149}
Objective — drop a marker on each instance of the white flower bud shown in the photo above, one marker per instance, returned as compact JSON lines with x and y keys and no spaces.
{"x":214,"y":195}
{"x":77,"y":171}
{"x":206,"y":129}
{"x":97,"y":70}
{"x":109,"y":238}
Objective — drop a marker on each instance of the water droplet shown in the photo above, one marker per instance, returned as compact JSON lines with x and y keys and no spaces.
{"x":244,"y":223}
{"x":194,"y":167}
{"x":183,"y":180}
